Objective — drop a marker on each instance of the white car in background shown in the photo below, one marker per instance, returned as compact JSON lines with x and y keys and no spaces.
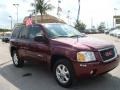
{"x":6,"y":37}
{"x":111,"y":33}
{"x":118,"y":34}
{"x":114,"y":32}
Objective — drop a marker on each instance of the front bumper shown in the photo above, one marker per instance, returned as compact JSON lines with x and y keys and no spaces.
{"x":94,"y":68}
{"x":5,"y":39}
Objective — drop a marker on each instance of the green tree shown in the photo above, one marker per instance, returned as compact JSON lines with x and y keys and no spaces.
{"x":80,"y":26}
{"x":101,"y":27}
{"x":4,"y":30}
{"x":42,"y":7}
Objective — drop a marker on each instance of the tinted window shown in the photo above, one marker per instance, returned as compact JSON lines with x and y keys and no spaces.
{"x":23,"y":32}
{"x":61,"y":30}
{"x":34,"y":31}
{"x":15,"y":32}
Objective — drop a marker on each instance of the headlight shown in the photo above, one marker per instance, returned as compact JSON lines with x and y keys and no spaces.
{"x":115,"y":51}
{"x":85,"y":56}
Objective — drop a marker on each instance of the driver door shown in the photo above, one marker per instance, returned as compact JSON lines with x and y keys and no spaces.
{"x":37,"y":50}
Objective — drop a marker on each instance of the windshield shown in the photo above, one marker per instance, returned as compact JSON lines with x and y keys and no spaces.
{"x":7,"y":35}
{"x":61,"y":30}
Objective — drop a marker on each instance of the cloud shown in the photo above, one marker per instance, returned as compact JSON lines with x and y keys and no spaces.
{"x":4,"y":18}
{"x":2,"y":6}
{"x":7,"y":9}
{"x":98,"y":10}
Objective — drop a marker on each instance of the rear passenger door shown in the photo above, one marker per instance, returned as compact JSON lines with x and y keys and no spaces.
{"x":14,"y":37}
{"x":23,"y":43}
{"x":38,"y":50}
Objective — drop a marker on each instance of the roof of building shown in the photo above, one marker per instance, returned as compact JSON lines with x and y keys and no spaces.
{"x":45,"y":19}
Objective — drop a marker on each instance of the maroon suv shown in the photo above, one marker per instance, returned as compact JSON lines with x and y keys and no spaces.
{"x":68,"y":53}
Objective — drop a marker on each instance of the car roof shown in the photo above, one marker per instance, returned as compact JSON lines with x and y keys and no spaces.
{"x":51,"y":23}
{"x":22,"y":24}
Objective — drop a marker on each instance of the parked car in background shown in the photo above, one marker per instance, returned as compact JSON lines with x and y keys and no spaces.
{"x":6,"y":37}
{"x":115,"y":32}
{"x":106,"y":31}
{"x":112,"y":33}
{"x":69,"y":54}
{"x":118,"y":34}
{"x":1,"y":37}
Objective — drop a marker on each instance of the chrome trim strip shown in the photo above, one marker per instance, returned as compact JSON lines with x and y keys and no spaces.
{"x":105,"y":48}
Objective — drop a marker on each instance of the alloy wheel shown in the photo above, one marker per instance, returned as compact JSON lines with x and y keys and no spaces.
{"x":62,"y":73}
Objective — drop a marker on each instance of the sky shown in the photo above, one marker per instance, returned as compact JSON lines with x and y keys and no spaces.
{"x":91,"y":12}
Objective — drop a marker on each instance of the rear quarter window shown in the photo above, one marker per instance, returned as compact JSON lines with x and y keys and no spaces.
{"x":23,"y":33}
{"x":15,"y":33}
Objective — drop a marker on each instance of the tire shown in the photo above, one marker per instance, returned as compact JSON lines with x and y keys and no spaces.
{"x":63,"y":73}
{"x":16,"y":60}
{"x":2,"y":40}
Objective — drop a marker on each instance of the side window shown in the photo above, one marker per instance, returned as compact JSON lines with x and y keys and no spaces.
{"x":23,"y":33}
{"x":34,"y":31}
{"x":15,"y":33}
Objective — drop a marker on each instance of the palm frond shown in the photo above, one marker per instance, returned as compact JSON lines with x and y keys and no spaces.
{"x":42,"y":6}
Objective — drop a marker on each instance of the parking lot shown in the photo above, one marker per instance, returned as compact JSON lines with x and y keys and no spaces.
{"x":38,"y":77}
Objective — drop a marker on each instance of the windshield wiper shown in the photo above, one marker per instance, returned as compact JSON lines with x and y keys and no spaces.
{"x":77,"y":36}
{"x":62,"y":36}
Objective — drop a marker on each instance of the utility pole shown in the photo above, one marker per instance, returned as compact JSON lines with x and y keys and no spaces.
{"x":35,"y":12}
{"x":16,"y":5}
{"x":11,"y":21}
{"x":91,"y":23}
{"x":58,"y":8}
{"x":68,"y":16}
{"x":78,"y":10}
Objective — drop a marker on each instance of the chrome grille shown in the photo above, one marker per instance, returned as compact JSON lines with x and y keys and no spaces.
{"x":108,"y":54}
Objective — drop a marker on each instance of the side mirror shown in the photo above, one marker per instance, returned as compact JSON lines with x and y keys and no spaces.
{"x":41,"y":39}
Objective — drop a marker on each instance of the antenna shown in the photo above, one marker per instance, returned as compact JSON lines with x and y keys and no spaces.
{"x":77,"y":38}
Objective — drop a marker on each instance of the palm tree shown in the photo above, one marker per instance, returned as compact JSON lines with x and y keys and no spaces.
{"x":80,"y":26}
{"x":41,"y":7}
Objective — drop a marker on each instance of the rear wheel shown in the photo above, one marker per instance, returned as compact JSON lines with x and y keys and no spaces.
{"x":63,"y":73}
{"x":16,"y":60}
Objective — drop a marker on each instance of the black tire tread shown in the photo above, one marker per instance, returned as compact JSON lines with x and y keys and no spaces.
{"x":20,"y":61}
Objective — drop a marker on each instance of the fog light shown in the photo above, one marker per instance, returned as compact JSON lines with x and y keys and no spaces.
{"x":91,"y":72}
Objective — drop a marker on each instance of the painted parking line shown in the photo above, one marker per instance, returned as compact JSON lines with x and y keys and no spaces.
{"x":5,"y":63}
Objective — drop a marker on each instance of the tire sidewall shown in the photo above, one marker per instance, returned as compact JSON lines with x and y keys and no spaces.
{"x":20,"y":62}
{"x":70,"y":69}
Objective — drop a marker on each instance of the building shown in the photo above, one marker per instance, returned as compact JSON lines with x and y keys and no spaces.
{"x":116,"y":21}
{"x":45,"y":19}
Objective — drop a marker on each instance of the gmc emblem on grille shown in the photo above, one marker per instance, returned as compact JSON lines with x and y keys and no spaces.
{"x":108,"y":53}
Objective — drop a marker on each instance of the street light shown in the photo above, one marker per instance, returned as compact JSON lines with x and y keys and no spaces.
{"x":11,"y":21}
{"x":68,"y":16}
{"x":115,"y":9}
{"x":16,"y":5}
{"x":58,"y":8}
{"x":34,"y":11}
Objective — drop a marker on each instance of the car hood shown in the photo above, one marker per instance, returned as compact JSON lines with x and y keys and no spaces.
{"x":84,"y":43}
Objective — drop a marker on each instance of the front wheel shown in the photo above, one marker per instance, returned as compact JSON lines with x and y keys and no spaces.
{"x":16,"y":60}
{"x":63,"y":73}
